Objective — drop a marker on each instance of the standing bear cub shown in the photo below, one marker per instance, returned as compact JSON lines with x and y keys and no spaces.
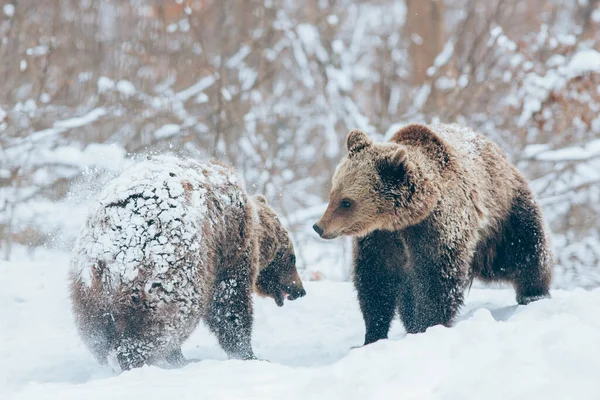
{"x":169,"y":243}
{"x":430,"y":210}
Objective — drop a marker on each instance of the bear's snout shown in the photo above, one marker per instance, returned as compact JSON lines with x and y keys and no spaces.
{"x":318,"y":229}
{"x":321,"y":232}
{"x":295,"y":292}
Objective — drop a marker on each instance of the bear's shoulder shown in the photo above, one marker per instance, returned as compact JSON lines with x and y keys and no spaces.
{"x":461,"y":141}
{"x":465,"y":141}
{"x":426,"y":140}
{"x":413,"y":134}
{"x":421,"y":136}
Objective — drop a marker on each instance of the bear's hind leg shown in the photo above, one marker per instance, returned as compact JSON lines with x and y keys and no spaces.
{"x":524,"y":257}
{"x":230,"y":317}
{"x":176,"y":358}
{"x":146,"y":336}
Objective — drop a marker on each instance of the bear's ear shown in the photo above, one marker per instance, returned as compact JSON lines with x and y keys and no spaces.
{"x":398,"y":157}
{"x":394,"y":166}
{"x":357,"y":140}
{"x":260,"y":198}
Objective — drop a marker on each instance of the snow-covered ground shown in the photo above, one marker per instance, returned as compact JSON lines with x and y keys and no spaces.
{"x":497,"y":350}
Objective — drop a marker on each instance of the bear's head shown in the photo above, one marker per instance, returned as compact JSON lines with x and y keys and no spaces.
{"x":277,"y":277}
{"x":377,"y":186}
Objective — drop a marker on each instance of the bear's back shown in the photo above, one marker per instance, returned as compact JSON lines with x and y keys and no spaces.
{"x":149,"y":225}
{"x":469,"y":160}
{"x":467,"y":143}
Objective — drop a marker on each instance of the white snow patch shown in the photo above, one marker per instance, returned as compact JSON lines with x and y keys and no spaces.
{"x":333,"y":19}
{"x":105,"y":84}
{"x":37,"y":51}
{"x":238,"y":57}
{"x":126,"y":88}
{"x":167,"y":130}
{"x":464,"y":140}
{"x":582,"y":62}
{"x":196,"y":88}
{"x":441,"y":59}
{"x":45,"y":98}
{"x":534,"y":149}
{"x":573,"y":153}
{"x":78,"y":122}
{"x":106,"y":156}
{"x":9,"y":10}
{"x":536,"y":88}
{"x":309,"y":35}
{"x":421,"y":96}
{"x":145,"y":200}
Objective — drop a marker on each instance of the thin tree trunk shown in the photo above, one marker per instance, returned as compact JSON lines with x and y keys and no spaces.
{"x":425,"y":28}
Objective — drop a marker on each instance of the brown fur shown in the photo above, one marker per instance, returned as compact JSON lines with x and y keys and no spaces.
{"x":146,"y":319}
{"x":430,"y":210}
{"x":278,"y":277}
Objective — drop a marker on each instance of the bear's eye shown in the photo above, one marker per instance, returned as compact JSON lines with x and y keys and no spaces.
{"x":346,"y":203}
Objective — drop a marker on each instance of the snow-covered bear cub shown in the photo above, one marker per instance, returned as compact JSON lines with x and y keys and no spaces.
{"x":169,"y":243}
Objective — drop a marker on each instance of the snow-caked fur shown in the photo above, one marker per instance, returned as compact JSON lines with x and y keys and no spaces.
{"x":171,"y":242}
{"x":430,"y":210}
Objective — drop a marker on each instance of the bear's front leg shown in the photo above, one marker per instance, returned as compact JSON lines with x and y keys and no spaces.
{"x":230,"y":316}
{"x":377,"y":284}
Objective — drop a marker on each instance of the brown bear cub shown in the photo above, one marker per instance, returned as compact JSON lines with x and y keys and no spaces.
{"x":430,"y":210}
{"x":169,"y":243}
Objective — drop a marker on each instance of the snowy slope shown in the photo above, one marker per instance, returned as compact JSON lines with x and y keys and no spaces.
{"x":547,"y":350}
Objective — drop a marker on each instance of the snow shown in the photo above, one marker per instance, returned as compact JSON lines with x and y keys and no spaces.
{"x":37,"y":51}
{"x":167,"y":130}
{"x":497,"y":350}
{"x":105,"y":156}
{"x":573,"y":153}
{"x":118,"y":232}
{"x":534,"y":149}
{"x":537,"y":88}
{"x":421,"y":96}
{"x":78,"y":122}
{"x":105,"y":84}
{"x":238,"y":57}
{"x":309,"y":35}
{"x":9,"y":10}
{"x":441,"y":59}
{"x":464,"y":140}
{"x":126,"y":88}
{"x":582,"y":62}
{"x":196,"y":88}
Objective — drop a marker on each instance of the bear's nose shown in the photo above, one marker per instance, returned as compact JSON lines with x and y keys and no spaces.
{"x":295,"y":293}
{"x":318,"y":229}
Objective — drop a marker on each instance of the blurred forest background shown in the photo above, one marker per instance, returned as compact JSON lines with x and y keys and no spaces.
{"x":273,"y":86}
